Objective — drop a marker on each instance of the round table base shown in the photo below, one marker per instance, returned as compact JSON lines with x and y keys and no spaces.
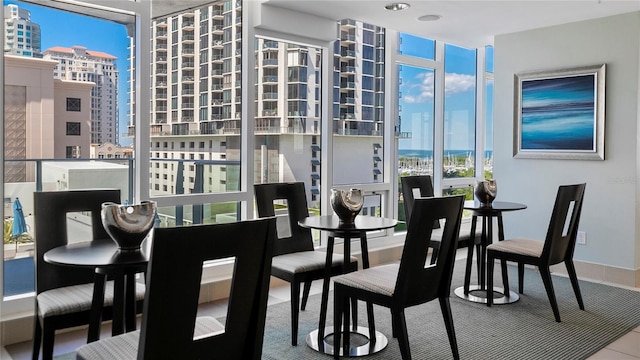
{"x":513,"y":296}
{"x":354,"y":351}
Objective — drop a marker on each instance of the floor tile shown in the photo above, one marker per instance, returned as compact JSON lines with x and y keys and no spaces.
{"x":628,"y":344}
{"x":608,"y":354}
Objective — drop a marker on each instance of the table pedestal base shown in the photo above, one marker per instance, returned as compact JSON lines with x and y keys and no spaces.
{"x":497,"y":300}
{"x":355,"y":350}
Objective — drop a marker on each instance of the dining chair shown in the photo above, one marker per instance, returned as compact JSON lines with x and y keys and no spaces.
{"x":295,"y":258}
{"x":557,"y":247}
{"x":412,"y":282}
{"x":171,"y":327}
{"x":422,"y":185}
{"x":64,"y":294}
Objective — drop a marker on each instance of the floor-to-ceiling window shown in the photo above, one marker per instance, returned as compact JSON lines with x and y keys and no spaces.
{"x":440,"y":118}
{"x":65,"y":102}
{"x":359,"y":123}
{"x":196,"y":113}
{"x":416,"y":109}
{"x":459,"y":121}
{"x":488,"y":113}
{"x":198,"y":139}
{"x":288,"y":124}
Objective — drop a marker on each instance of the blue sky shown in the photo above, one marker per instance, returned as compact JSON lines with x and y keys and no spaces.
{"x":417,"y":102}
{"x":72,"y":29}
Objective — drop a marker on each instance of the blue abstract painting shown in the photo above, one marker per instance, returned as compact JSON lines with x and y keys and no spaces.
{"x":559,"y":114}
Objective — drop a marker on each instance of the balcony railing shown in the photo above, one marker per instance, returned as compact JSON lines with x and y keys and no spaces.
{"x":270,"y":45}
{"x":186,"y":176}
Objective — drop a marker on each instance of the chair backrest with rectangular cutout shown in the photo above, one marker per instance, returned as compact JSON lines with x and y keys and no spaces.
{"x":298,"y":238}
{"x":418,"y":280}
{"x":173,"y":287}
{"x":425,"y":188}
{"x":563,"y":226}
{"x":50,"y":212}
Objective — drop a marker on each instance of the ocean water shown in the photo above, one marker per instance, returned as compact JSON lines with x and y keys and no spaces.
{"x":428,"y":154}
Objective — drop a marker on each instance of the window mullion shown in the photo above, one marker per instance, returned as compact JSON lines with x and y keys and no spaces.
{"x":438,"y":138}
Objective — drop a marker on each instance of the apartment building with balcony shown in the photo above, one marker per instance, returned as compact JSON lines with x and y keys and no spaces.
{"x":21,"y":35}
{"x":80,"y":64}
{"x":196,"y":102}
{"x":195,"y":99}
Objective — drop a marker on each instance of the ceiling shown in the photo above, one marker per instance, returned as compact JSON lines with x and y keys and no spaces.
{"x":465,"y":23}
{"x":470,"y":23}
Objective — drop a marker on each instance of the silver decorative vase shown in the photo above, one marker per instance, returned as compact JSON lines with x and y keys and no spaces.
{"x":128,"y":225}
{"x":486,"y":191}
{"x":347,"y":204}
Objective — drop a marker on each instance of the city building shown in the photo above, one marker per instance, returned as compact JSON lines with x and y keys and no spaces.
{"x":36,"y":128}
{"x":21,"y":36}
{"x":110,"y":151}
{"x":196,"y":101}
{"x":79,"y":64}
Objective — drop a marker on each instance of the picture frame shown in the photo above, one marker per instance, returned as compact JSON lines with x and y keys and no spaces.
{"x":560,"y":114}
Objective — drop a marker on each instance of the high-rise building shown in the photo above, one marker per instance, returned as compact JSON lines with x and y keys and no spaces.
{"x":196,"y":100}
{"x":79,"y":64}
{"x":359,"y":66}
{"x":21,"y":36}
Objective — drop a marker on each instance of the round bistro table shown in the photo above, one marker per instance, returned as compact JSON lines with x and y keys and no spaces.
{"x":317,"y":339}
{"x":487,"y":212}
{"x":107,"y":260}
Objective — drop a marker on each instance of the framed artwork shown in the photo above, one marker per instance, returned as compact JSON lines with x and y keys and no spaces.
{"x":559,"y":114}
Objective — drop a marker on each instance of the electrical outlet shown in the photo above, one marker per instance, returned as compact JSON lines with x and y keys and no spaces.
{"x":582,"y":238}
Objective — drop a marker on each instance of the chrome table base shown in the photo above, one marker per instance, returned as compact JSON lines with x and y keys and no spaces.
{"x":354,"y":351}
{"x":513,"y":296}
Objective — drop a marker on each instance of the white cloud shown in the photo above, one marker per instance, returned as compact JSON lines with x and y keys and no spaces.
{"x":424,"y":89}
{"x":453,"y":84}
{"x":458,"y":83}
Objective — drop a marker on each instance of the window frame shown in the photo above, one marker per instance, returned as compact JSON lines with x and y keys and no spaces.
{"x":74,"y":128}
{"x":74,"y":104}
{"x":387,"y":188}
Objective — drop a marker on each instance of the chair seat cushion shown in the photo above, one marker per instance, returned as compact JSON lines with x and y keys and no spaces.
{"x":76,"y":298}
{"x":463,"y":235}
{"x":125,"y":346}
{"x":305,"y":261}
{"x":378,"y":279}
{"x":521,"y":246}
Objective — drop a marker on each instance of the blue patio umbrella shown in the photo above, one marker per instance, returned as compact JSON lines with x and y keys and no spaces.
{"x":19,"y":224}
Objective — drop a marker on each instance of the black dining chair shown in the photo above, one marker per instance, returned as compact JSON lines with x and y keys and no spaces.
{"x":170,"y":327}
{"x":557,"y":247}
{"x":412,"y":282}
{"x":295,"y":258}
{"x":64,"y":294}
{"x":422,"y":184}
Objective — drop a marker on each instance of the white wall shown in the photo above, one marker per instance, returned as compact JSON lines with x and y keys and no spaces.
{"x":610,"y":209}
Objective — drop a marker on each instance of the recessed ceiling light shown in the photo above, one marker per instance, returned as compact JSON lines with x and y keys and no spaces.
{"x":397,"y":6}
{"x":430,"y":17}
